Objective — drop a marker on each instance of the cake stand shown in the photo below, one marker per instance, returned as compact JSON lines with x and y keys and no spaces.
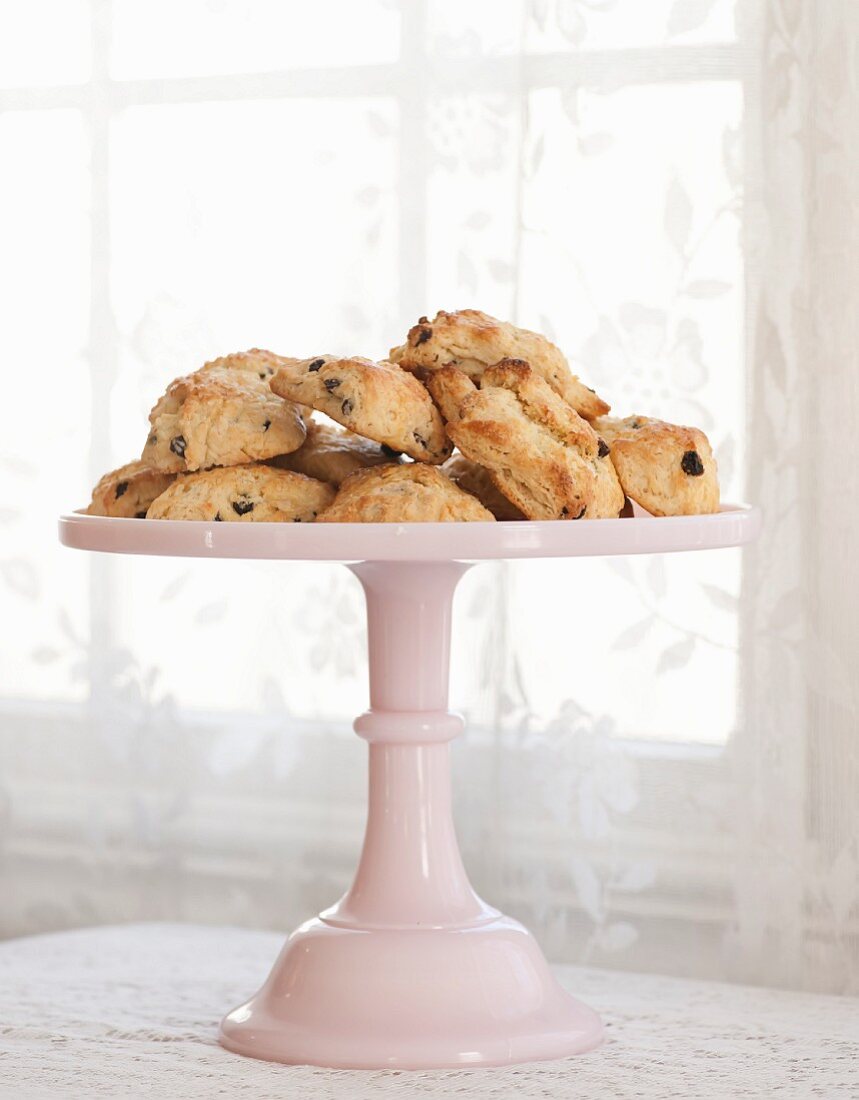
{"x":410,"y":968}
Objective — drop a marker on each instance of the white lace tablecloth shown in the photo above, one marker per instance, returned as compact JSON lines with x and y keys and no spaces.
{"x":131,"y":1011}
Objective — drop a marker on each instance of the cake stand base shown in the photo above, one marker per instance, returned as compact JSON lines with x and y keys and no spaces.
{"x":411,"y":999}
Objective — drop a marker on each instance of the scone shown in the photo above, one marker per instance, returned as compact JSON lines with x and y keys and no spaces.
{"x":540,"y":453}
{"x":258,"y":361}
{"x":220,"y":417}
{"x":127,"y":492}
{"x":251,"y":494}
{"x":667,"y":469}
{"x":332,"y":454}
{"x":478,"y":481}
{"x":413,"y":493}
{"x":473,"y":341}
{"x":609,"y":498}
{"x":607,"y":503}
{"x":376,"y":400}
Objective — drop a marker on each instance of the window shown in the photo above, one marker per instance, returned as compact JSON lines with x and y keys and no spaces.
{"x":193,"y":179}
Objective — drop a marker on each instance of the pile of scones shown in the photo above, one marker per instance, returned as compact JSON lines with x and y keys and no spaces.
{"x":470,"y":419}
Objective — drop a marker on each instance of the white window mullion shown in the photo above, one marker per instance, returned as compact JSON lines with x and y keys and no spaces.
{"x":412,"y":94}
{"x":675,"y":64}
{"x":102,"y":348}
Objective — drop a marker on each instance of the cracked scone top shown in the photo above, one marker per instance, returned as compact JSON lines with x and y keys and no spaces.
{"x":251,"y":493}
{"x":666,"y":468}
{"x":540,"y":453}
{"x":126,"y":493}
{"x":376,"y":400}
{"x":219,"y":416}
{"x":473,"y":341}
{"x":411,"y":493}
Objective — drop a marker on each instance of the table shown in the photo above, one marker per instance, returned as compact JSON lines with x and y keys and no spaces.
{"x":133,"y":1010}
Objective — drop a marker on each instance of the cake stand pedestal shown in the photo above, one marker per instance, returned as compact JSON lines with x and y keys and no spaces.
{"x":410,"y":968}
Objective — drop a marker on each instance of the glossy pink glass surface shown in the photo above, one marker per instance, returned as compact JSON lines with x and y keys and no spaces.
{"x":410,"y":968}
{"x":734,"y":525}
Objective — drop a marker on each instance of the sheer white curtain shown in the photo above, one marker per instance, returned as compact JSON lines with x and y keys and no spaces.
{"x":796,"y":809}
{"x":660,"y":770}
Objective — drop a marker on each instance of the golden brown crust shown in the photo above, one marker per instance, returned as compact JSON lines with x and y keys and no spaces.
{"x":609,"y":499}
{"x":250,"y":494}
{"x":258,"y":361}
{"x":666,"y":468}
{"x":219,"y":416}
{"x":540,"y":453}
{"x":478,"y":481}
{"x":472,"y":341}
{"x":331,"y":454}
{"x":127,"y":492}
{"x":411,"y":493}
{"x":541,"y":404}
{"x":376,"y":400}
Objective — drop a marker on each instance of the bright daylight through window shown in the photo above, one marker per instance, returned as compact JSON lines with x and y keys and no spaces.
{"x":443,"y":168}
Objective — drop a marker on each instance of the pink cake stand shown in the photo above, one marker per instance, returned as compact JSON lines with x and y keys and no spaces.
{"x":410,"y":968}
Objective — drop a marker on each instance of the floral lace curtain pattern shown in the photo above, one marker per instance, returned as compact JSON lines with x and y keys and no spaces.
{"x":660,"y":766}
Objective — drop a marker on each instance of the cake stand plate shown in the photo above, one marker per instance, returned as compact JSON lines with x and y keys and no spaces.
{"x":410,"y":968}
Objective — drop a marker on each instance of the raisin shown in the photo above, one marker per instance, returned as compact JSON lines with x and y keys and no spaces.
{"x":584,"y":509}
{"x":178,"y":445}
{"x":423,"y":320}
{"x":419,"y":439}
{"x":140,"y":515}
{"x":635,"y":424}
{"x":565,"y":511}
{"x":151,"y":439}
{"x":331,"y":383}
{"x":266,"y":425}
{"x":296,"y":519}
{"x":603,"y":448}
{"x":316,"y":364}
{"x":262,"y":374}
{"x":242,"y":507}
{"x":347,"y":407}
{"x":389,"y":452}
{"x":691,"y":464}
{"x":121,"y":487}
{"x":218,"y":517}
{"x":423,"y":336}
